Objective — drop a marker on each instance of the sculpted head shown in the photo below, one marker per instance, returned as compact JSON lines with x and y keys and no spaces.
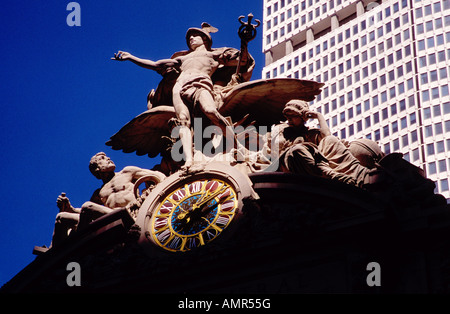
{"x":194,"y":34}
{"x":295,"y":111}
{"x":100,"y":163}
{"x":196,"y":39}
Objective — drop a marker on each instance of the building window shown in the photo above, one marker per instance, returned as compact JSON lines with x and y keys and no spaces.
{"x":432,"y":168}
{"x":428,"y":131}
{"x":444,"y":185}
{"x":402,"y":105}
{"x":392,"y":92}
{"x":437,"y":7}
{"x":425,"y":95}
{"x":377,"y":135}
{"x":396,"y":144}
{"x":420,"y":29}
{"x":414,"y":136}
{"x":430,"y":42}
{"x":366,"y":105}
{"x":351,"y":130}
{"x":380,"y":32}
{"x":405,"y":141}
{"x":436,"y":111}
{"x":334,"y":104}
{"x":401,"y":88}
{"x":365,"y":72}
{"x":440,"y":148}
{"x":387,"y":148}
{"x":424,"y":78}
{"x":384,"y":114}
{"x":426,"y":113}
{"x":403,"y":123}
{"x":412,"y":118}
{"x":422,"y":61}
{"x":410,"y":84}
{"x":382,"y":80}
{"x":373,"y":69}
{"x":386,"y":131}
{"x":438,"y":128}
{"x":376,"y":118}
{"x":446,"y":109}
{"x":415,"y":154}
{"x":421,"y":44}
{"x":430,"y":149}
{"x":435,"y":93}
{"x":393,"y":109}
{"x":358,"y":93}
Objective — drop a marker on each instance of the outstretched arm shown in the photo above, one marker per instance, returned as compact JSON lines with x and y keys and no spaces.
{"x":145,"y":63}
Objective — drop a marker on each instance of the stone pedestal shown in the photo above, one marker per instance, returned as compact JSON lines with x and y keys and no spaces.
{"x":304,"y":235}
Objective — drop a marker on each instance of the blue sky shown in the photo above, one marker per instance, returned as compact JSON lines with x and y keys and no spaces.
{"x":62,"y":98}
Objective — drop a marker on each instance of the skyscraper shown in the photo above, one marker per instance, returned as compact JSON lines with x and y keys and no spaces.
{"x":386,"y":69}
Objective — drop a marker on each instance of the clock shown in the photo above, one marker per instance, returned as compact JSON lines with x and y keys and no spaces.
{"x":187,"y":212}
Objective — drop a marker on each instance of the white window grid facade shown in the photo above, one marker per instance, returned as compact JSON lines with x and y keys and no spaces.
{"x":386,"y":75}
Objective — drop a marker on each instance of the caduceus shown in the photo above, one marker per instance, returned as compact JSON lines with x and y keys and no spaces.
{"x":247,"y":32}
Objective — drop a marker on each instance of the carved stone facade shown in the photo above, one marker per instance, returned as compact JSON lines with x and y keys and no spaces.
{"x":304,"y":235}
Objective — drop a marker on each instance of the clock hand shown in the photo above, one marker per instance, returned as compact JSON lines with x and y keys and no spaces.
{"x":187,"y":219}
{"x":204,"y":210}
{"x":202,"y":201}
{"x":198,"y":204}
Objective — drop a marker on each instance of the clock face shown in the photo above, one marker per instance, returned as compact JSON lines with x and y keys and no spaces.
{"x":193,"y":213}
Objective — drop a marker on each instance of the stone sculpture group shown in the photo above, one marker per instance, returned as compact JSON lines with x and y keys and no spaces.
{"x":213,"y":85}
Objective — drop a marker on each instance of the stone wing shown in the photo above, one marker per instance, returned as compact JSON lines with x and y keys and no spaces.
{"x":145,"y":134}
{"x":264,"y":100}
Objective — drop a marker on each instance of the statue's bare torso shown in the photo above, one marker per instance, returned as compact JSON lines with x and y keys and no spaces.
{"x":198,"y":63}
{"x":119,"y":191}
